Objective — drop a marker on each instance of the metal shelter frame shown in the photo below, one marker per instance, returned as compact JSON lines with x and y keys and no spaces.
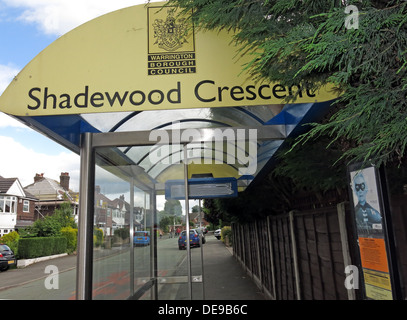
{"x":90,"y":141}
{"x":110,"y":77}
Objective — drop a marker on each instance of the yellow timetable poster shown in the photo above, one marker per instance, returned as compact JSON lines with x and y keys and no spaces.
{"x":371,"y":234}
{"x":375,"y":269}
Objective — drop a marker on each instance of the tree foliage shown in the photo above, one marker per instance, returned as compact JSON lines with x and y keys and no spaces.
{"x":306,"y":42}
{"x":173,"y":207}
{"x":50,"y":226}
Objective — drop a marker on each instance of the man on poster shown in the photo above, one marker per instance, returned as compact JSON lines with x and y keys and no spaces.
{"x":368,"y":219}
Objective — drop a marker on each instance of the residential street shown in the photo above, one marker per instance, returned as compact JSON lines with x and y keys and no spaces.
{"x":224,"y":278}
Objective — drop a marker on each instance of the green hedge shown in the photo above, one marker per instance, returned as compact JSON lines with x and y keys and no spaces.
{"x":226,"y":232}
{"x":71,"y":236}
{"x":29,"y":248}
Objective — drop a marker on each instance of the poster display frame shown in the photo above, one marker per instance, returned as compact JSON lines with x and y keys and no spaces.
{"x":373,"y":231}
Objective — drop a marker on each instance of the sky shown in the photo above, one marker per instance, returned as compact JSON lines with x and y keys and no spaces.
{"x":26,"y":28}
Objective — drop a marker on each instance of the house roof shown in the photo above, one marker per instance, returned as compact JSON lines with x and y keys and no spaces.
{"x":47,"y":189}
{"x":12,"y":186}
{"x":6,"y":183}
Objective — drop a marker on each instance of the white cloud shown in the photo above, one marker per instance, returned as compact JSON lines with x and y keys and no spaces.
{"x":7,"y":121}
{"x":7,"y":73}
{"x":58,"y":17}
{"x":23,"y":163}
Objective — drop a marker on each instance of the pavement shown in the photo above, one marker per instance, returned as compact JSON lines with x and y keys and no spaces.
{"x":224,"y":277}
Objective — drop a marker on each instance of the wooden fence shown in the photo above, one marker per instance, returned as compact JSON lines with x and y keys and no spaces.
{"x":299,"y":255}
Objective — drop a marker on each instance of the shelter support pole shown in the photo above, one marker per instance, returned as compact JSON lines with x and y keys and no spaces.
{"x":85,"y":222}
{"x":153,"y":244}
{"x":202,"y":248}
{"x":189,"y":269}
{"x":131,"y":220}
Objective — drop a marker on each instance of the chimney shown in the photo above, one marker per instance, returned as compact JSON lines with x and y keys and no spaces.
{"x":38,"y":177}
{"x":64,"y":180}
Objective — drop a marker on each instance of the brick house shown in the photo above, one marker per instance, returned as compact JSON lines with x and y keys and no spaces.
{"x":111,"y":215}
{"x":51,"y":194}
{"x":103,"y":213}
{"x":17,"y":206}
{"x":198,"y":218}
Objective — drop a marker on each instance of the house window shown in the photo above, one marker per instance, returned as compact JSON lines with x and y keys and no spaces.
{"x":26,"y":206}
{"x":8,"y":204}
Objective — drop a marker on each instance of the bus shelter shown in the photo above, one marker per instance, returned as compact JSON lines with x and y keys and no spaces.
{"x":157,"y":111}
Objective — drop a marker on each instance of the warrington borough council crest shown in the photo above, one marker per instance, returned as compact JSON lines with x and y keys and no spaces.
{"x":170,"y":34}
{"x":171,"y":43}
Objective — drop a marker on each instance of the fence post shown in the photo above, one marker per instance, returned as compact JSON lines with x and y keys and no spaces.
{"x":340,"y":207}
{"x":258,"y":253}
{"x":295,"y":256}
{"x":273,"y":275}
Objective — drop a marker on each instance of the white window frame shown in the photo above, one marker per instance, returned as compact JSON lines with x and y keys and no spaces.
{"x":11,"y":201}
{"x":26,"y":206}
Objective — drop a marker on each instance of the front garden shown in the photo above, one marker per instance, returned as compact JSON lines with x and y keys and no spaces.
{"x":47,"y":236}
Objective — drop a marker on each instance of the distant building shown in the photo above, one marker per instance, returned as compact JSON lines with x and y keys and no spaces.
{"x":111,"y":215}
{"x":198,"y":219}
{"x":51,"y":194}
{"x":103,"y":213}
{"x":17,"y":206}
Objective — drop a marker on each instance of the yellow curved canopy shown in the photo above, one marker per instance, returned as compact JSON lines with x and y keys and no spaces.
{"x":144,"y":57}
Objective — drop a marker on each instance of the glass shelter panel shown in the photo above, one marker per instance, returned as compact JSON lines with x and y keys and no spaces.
{"x":123,"y":244}
{"x":141,"y":248}
{"x":179,"y":278}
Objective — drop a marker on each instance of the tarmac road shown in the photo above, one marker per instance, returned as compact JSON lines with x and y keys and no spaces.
{"x":224,"y":278}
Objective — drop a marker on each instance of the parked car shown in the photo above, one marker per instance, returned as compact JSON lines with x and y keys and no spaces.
{"x":203,"y":229}
{"x":194,"y":239}
{"x":7,"y":258}
{"x":141,"y":238}
{"x":201,"y":232}
{"x":217,"y":234}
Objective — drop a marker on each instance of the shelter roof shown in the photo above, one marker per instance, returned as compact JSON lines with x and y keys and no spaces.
{"x":129,"y":73}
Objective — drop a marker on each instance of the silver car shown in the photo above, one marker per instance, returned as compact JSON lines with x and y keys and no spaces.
{"x":217,"y":234}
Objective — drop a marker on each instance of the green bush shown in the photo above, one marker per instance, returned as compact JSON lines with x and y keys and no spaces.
{"x":226,"y":232}
{"x":122,"y":233}
{"x":29,"y":248}
{"x":97,"y":237}
{"x":50,"y":226}
{"x":71,"y":236}
{"x":11,"y":239}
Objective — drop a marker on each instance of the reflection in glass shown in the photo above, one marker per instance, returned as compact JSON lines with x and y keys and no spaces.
{"x":120,"y":268}
{"x":136,"y":234}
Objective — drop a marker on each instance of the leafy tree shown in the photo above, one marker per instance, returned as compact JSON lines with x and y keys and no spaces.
{"x":65,"y":215}
{"x":173,"y":207}
{"x":306,"y":42}
{"x":215,"y":213}
{"x":167,"y":222}
{"x":51,"y":225}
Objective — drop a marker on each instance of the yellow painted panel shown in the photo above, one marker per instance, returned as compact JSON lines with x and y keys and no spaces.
{"x":139,"y":58}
